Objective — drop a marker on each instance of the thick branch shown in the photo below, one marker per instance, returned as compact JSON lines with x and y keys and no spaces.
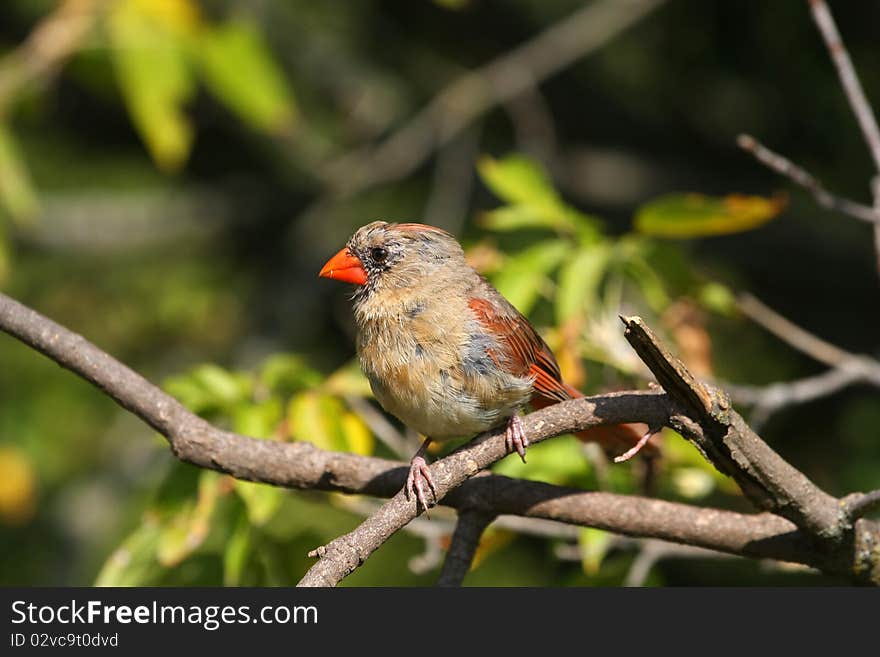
{"x":707,"y":420}
{"x":470,"y":527}
{"x":302,"y":465}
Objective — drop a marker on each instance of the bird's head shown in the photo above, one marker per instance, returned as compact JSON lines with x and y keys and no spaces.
{"x":385,"y":255}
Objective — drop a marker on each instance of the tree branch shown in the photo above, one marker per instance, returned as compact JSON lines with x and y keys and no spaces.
{"x":855,"y":94}
{"x":470,"y":527}
{"x":499,"y":81}
{"x":302,"y":465}
{"x":800,"y":176}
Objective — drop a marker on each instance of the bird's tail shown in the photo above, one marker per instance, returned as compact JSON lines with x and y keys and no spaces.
{"x":615,"y":439}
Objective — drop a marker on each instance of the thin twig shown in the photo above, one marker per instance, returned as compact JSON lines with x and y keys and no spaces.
{"x":302,"y":465}
{"x":848,"y":78}
{"x":470,"y":527}
{"x":767,"y":400}
{"x":852,"y":87}
{"x":473,"y":94}
{"x":807,"y":343}
{"x":800,"y":176}
{"x":49,"y":45}
{"x":653,"y":551}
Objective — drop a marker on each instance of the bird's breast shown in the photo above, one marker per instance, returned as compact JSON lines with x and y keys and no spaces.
{"x":430,"y":365}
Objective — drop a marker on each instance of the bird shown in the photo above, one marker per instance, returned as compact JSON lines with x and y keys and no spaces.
{"x":444,"y":351}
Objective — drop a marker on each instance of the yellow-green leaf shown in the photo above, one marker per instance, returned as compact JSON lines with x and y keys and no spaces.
{"x":155,"y":80}
{"x":357,"y":434}
{"x":594,"y":545}
{"x":696,"y":215}
{"x":260,"y":500}
{"x":133,"y":563}
{"x":185,"y":530}
{"x":717,"y":297}
{"x":525,"y":273}
{"x":257,"y":419}
{"x":579,"y":279}
{"x":16,"y":190}
{"x":238,"y":549}
{"x":517,"y":180}
{"x":239,"y":69}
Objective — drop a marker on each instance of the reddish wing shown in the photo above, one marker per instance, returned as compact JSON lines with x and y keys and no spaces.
{"x":523,"y":351}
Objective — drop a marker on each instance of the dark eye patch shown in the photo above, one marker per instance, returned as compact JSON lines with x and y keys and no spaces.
{"x":379,"y":254}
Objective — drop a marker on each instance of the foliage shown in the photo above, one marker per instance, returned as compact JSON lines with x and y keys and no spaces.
{"x":162,"y":192}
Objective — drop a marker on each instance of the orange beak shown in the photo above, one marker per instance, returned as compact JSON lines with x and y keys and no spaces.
{"x":345,"y":267}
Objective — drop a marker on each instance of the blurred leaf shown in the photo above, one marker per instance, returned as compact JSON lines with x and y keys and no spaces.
{"x":260,"y":500}
{"x":16,"y":189}
{"x":692,"y":483}
{"x":525,"y":273}
{"x":324,"y":421}
{"x":237,"y":553}
{"x":288,"y":373}
{"x":184,"y":531}
{"x":259,"y":419}
{"x":134,"y":562}
{"x":210,"y":388}
{"x":358,"y":437}
{"x":718,"y":298}
{"x":18,"y":486}
{"x":696,"y":215}
{"x":179,"y":16}
{"x":154,"y":77}
{"x":348,"y":380}
{"x":5,"y":256}
{"x":594,"y":545}
{"x":517,"y":180}
{"x":239,"y":69}
{"x":649,"y":281}
{"x":557,"y":461}
{"x":579,"y":279}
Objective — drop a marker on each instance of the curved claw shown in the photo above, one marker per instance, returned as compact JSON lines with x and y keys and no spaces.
{"x":419,"y":474}
{"x":515,"y":438}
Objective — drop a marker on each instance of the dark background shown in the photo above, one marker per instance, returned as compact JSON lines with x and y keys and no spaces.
{"x":215,"y":260}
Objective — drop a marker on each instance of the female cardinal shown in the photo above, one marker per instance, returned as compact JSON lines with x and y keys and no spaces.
{"x":443,"y":350}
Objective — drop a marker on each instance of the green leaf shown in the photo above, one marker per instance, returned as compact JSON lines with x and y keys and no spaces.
{"x":594,"y":545}
{"x":348,"y":380}
{"x":133,"y":563}
{"x":258,"y":419}
{"x":187,"y":529}
{"x":579,"y":279}
{"x":558,"y":461}
{"x":696,"y":215}
{"x":16,"y":189}
{"x":517,"y":180}
{"x":239,"y":69}
{"x":155,"y":81}
{"x":285,"y":374}
{"x":718,"y":298}
{"x":260,"y":500}
{"x":525,"y":273}
{"x":237,"y":552}
{"x":210,"y":388}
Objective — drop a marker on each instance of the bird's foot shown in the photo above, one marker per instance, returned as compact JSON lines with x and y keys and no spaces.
{"x":419,"y":476}
{"x":515,"y":438}
{"x":635,"y":449}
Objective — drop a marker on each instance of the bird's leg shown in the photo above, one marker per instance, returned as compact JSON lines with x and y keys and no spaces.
{"x":515,"y":438}
{"x":419,"y":475}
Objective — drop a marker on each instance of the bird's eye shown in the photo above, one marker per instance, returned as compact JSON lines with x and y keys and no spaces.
{"x":379,"y":254}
